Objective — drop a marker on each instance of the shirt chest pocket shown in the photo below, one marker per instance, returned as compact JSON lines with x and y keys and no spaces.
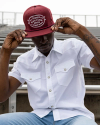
{"x":65,"y":72}
{"x":33,"y":80}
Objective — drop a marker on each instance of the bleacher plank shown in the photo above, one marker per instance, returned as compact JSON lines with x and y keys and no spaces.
{"x":21,"y":48}
{"x":26,"y":43}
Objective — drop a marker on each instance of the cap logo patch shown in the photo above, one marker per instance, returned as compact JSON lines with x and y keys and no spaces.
{"x":36,"y":21}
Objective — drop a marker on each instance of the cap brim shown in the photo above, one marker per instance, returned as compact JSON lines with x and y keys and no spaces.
{"x":38,"y":33}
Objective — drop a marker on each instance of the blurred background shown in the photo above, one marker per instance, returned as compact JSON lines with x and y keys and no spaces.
{"x":86,"y":12}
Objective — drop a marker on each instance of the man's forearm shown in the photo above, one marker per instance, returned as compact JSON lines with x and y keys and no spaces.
{"x":4,"y":82}
{"x":92,"y":42}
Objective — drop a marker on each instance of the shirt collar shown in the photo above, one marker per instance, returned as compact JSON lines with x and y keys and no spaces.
{"x":36,"y":54}
{"x":55,"y":47}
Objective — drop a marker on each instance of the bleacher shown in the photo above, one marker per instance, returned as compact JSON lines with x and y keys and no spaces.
{"x":18,"y":102}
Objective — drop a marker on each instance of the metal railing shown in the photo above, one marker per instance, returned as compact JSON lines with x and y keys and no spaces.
{"x":16,"y":18}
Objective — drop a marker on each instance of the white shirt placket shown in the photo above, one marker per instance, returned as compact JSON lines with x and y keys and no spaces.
{"x":49,"y":83}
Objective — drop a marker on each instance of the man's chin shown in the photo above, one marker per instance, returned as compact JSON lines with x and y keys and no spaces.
{"x":45,"y":52}
{"x":45,"y":49}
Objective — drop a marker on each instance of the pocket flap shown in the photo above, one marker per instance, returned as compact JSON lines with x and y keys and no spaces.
{"x":65,"y":66}
{"x":31,"y":76}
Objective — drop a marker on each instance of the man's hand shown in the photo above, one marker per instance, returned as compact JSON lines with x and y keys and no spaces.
{"x":13,"y":39}
{"x":66,"y":25}
{"x":70,"y":26}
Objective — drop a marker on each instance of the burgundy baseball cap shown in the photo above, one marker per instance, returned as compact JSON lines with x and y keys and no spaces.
{"x":38,"y":21}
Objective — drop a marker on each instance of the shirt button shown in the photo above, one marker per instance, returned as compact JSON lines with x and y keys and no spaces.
{"x":50,"y":90}
{"x":30,"y":78}
{"x":65,"y":69}
{"x":47,"y":62}
{"x":48,"y":77}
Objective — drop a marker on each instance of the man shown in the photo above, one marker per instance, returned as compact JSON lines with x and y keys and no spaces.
{"x":52,"y":70}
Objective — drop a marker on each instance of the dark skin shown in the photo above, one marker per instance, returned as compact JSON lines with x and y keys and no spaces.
{"x":44,"y":45}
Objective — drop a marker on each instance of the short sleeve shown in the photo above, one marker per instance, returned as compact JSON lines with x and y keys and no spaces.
{"x":85,"y":55}
{"x":16,"y":74}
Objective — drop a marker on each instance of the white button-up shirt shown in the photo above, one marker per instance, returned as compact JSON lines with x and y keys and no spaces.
{"x":56,"y":82}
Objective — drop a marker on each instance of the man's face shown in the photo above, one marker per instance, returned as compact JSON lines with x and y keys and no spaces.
{"x":44,"y":43}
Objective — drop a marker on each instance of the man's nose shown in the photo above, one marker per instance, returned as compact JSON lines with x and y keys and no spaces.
{"x":44,"y":39}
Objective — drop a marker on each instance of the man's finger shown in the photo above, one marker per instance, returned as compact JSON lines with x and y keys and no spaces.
{"x":65,"y":30}
{"x":54,"y":27}
{"x":19,"y":34}
{"x":61,"y":30}
{"x":58,"y":22}
{"x":15,"y":36}
{"x":24,"y":32}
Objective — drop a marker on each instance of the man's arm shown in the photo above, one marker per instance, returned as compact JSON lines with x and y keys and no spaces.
{"x":70,"y":26}
{"x":8,"y":84}
{"x":93,"y":43}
